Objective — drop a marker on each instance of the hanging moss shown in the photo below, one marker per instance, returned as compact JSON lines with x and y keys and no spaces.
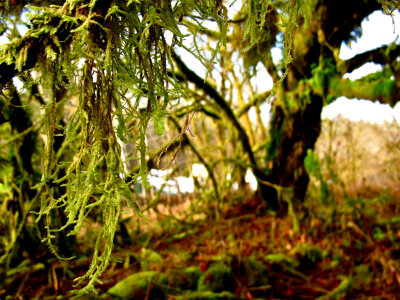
{"x":106,"y":52}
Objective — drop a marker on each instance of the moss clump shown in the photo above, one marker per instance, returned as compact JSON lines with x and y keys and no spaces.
{"x":308,"y":256}
{"x":185,"y":279}
{"x":217,"y":278}
{"x":136,"y":286}
{"x":150,"y":260}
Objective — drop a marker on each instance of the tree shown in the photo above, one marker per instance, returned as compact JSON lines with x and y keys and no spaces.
{"x":109,"y":56}
{"x":313,"y":78}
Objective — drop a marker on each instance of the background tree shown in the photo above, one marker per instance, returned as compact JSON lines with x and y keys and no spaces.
{"x":309,"y":77}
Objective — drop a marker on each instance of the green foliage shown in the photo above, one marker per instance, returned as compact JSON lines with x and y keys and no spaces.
{"x":150,"y":259}
{"x":281,"y":258}
{"x":385,"y":74}
{"x":313,"y":168}
{"x":264,"y":21}
{"x":308,"y":255}
{"x":321,"y":78}
{"x":340,"y":291}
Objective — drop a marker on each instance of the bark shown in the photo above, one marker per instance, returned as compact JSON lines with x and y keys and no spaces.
{"x":292,"y":133}
{"x":382,"y":55}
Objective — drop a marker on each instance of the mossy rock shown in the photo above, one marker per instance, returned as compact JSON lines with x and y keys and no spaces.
{"x":184,"y":279}
{"x":150,"y":260}
{"x":256,"y":271}
{"x":136,"y":286}
{"x":217,"y":278}
{"x":206,"y":295}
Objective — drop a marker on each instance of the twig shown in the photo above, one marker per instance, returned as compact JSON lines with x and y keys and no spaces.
{"x":54,"y":277}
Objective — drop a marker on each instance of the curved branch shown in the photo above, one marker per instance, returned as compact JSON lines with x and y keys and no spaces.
{"x":341,"y":18}
{"x":9,"y":71}
{"x":181,"y":112}
{"x":197,"y":153}
{"x":221,"y":102}
{"x":382,"y":55}
{"x":212,"y":93}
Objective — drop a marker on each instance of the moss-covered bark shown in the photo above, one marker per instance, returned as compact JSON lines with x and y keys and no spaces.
{"x":292,"y":132}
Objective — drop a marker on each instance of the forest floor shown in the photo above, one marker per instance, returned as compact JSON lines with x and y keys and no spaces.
{"x":351,"y":252}
{"x":341,"y":245}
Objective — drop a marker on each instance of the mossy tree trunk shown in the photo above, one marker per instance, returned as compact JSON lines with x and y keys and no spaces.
{"x":296,"y":110}
{"x":292,"y":132}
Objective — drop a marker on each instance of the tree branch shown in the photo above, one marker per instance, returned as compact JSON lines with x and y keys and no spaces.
{"x":383,"y":55}
{"x":212,"y":93}
{"x":340,"y":18}
{"x":9,"y":71}
{"x":256,"y":100}
{"x":182,"y":111}
{"x":197,"y":153}
{"x":36,"y":43}
{"x":382,"y":90}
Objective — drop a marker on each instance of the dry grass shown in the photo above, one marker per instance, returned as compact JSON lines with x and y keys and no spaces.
{"x":360,"y":158}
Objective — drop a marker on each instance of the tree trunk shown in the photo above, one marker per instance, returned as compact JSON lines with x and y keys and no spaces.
{"x":296,"y":110}
{"x":292,"y":132}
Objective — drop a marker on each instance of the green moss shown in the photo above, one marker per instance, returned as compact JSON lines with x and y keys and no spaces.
{"x":206,"y":295}
{"x":217,"y":278}
{"x":384,"y":87}
{"x":136,"y":286}
{"x":308,"y":255}
{"x":184,"y":279}
{"x":150,"y":260}
{"x":283,"y":259}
